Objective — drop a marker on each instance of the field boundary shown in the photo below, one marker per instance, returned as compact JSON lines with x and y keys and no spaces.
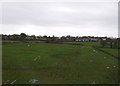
{"x":9,"y":42}
{"x":73,"y":44}
{"x":95,"y":47}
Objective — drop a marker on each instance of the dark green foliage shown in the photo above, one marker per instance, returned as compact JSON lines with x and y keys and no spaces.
{"x":111,"y":44}
{"x":115,"y":44}
{"x":23,"y":37}
{"x":103,"y":43}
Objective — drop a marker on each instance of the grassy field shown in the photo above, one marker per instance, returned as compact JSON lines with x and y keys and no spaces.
{"x":112,"y":51}
{"x":58,"y":64}
{"x":85,"y":43}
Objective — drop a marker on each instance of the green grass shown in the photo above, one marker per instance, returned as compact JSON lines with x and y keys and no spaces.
{"x":20,"y":41}
{"x":112,"y":51}
{"x":9,"y":41}
{"x":58,"y":64}
{"x":91,"y":43}
{"x":107,"y":48}
{"x":36,"y":41}
{"x":85,"y":43}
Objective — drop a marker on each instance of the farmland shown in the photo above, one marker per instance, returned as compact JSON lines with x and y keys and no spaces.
{"x":58,"y":64}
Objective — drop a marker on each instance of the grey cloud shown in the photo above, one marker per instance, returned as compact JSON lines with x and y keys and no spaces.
{"x":79,"y":15}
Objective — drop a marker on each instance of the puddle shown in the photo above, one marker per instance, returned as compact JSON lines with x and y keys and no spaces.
{"x":93,"y":82}
{"x":13,"y":82}
{"x":107,"y":67}
{"x":33,"y":81}
{"x":95,"y":51}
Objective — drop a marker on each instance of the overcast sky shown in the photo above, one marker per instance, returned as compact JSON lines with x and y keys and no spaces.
{"x":60,"y":18}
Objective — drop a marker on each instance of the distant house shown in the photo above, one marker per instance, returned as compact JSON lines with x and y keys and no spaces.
{"x":94,"y":39}
{"x":28,"y":38}
{"x":104,"y":39}
{"x":87,"y":39}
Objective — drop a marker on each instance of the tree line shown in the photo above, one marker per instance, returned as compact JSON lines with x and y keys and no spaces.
{"x":104,"y":41}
